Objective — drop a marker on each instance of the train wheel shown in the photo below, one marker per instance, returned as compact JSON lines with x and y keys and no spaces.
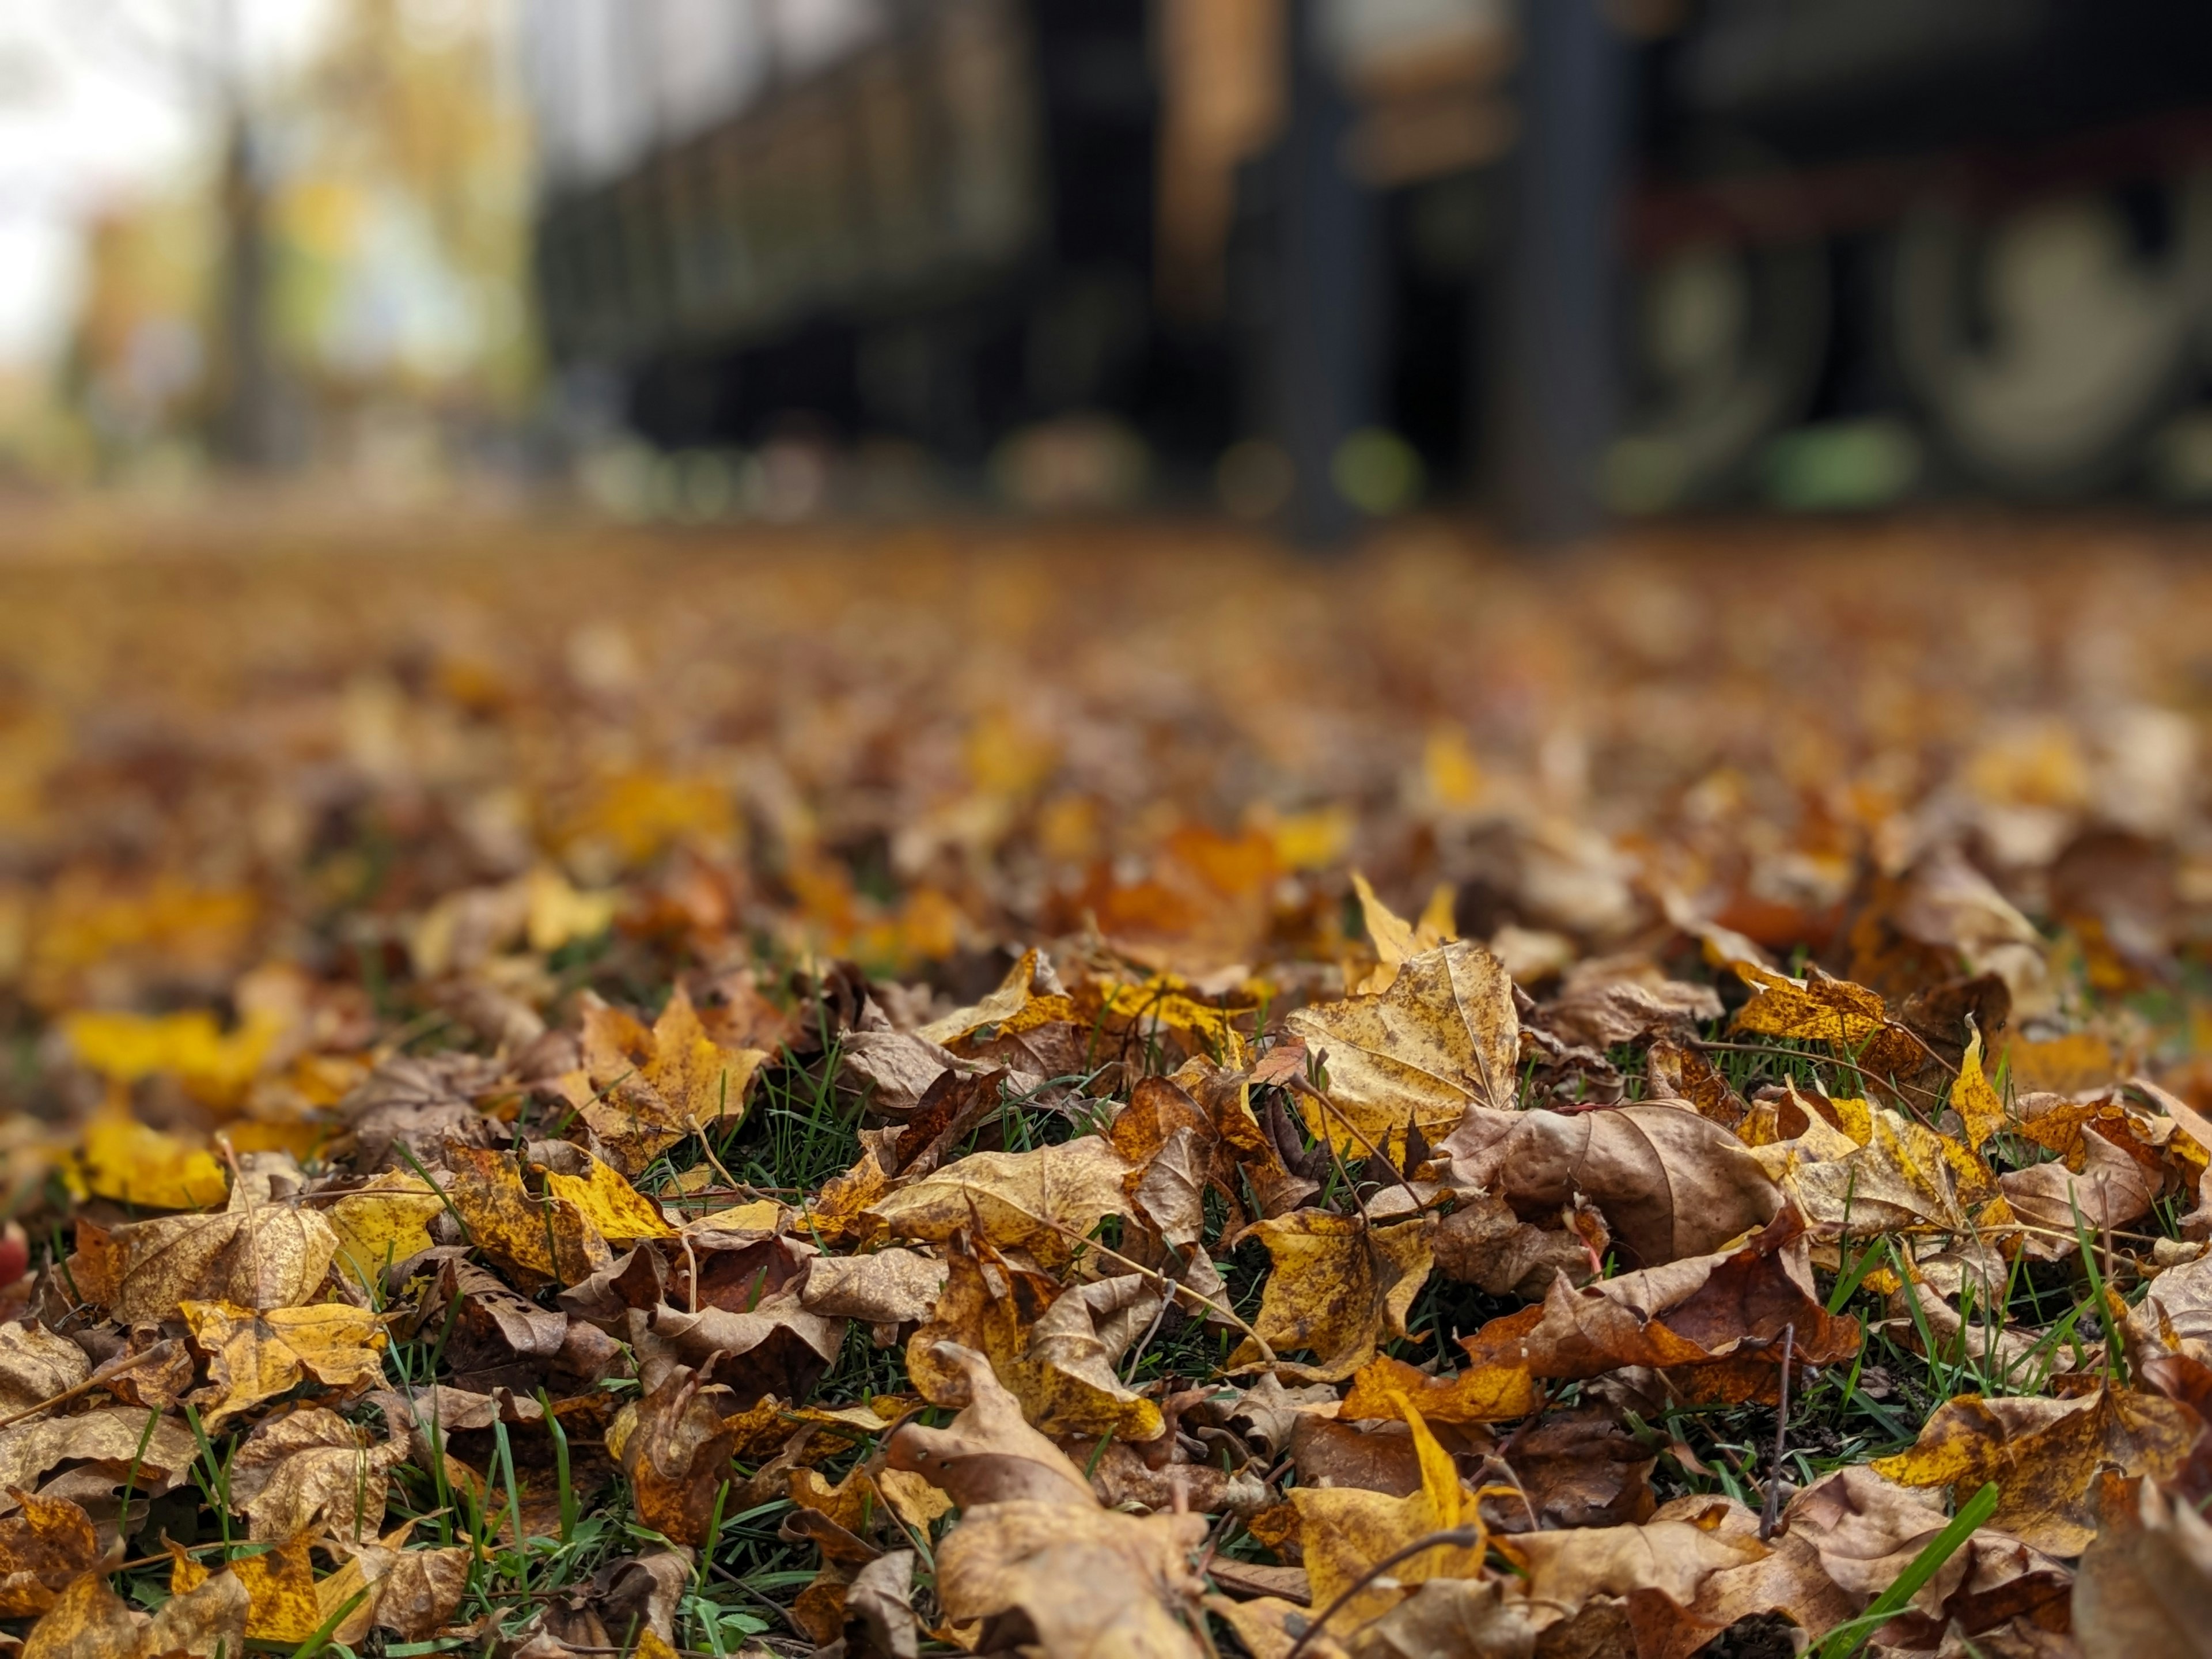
{"x":1725,"y":348}
{"x":2045,"y":345}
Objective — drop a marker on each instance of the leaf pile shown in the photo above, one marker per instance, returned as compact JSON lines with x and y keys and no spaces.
{"x":584,"y":1100}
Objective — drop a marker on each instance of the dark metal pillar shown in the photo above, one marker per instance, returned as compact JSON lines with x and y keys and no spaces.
{"x":1324,"y":378}
{"x":1556,"y":407}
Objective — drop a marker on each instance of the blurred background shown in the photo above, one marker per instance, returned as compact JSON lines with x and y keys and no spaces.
{"x":1308,"y":263}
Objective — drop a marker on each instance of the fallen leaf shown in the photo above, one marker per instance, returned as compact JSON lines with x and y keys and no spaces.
{"x":1045,"y":1201}
{"x":42,"y":1551}
{"x":312,"y":1470}
{"x":279,"y":1587}
{"x":1044,"y":1344}
{"x":655,"y":1087}
{"x":1687,"y":1313}
{"x":2045,"y":1455}
{"x":1973,"y":1099}
{"x":1818,"y":1009}
{"x":1669,"y":1182}
{"x":252,"y":1356}
{"x":538,"y":1239}
{"x":383,"y":1222}
{"x":89,"y":1620}
{"x":35,"y":1365}
{"x":1342,"y":1532}
{"x":255,"y":1255}
{"x":1442,"y":1038}
{"x":677,"y":1456}
{"x":2110,"y":1189}
{"x":1033,"y":1539}
{"x":890,"y":1287}
{"x":110,"y":1436}
{"x":1339,"y":1286}
{"x":619,"y":1212}
{"x":1484,"y":1394}
{"x":2145,"y":1583}
{"x":123,"y":1160}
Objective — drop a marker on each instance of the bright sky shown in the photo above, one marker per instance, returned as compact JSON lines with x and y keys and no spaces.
{"x":96,"y":106}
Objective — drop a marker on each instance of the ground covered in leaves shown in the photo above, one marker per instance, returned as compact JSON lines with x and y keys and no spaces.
{"x":1104,"y":1092}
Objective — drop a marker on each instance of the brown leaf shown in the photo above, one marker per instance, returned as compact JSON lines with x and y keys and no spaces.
{"x":1444,"y":1037}
{"x":1669,"y":1184}
{"x":1338,"y":1287}
{"x":1690,"y":1312}
{"x":42,"y":1551}
{"x":989,"y":1453}
{"x":252,"y":1255}
{"x":1601,"y":1014}
{"x":654,"y":1087}
{"x":778,"y":1347}
{"x":2109,"y":1189}
{"x":35,"y":1365}
{"x":678,"y":1455}
{"x":891,"y":1286}
{"x":2045,"y":1455}
{"x":2145,"y":1584}
{"x":312,"y":1468}
{"x":107,"y":1436}
{"x":91,"y":1621}
{"x":879,"y":1622}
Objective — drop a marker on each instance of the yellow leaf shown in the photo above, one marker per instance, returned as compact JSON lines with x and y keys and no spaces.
{"x":1343,"y":1531}
{"x":1444,"y":1037}
{"x":1480,"y":1394}
{"x":1339,"y":1285}
{"x":1817,"y":1009}
{"x":385,"y":1222}
{"x":617,"y":1209}
{"x":559,"y":915}
{"x":252,"y":1356}
{"x":1973,"y":1099}
{"x":41,"y":1551}
{"x":280,"y":1589}
{"x":537,"y":1238}
{"x":125,"y":1160}
{"x":189,"y":1045}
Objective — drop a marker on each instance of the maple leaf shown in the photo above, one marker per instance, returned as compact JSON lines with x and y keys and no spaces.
{"x":253,"y":1255}
{"x":537,"y":1239}
{"x":1045,"y":1201}
{"x":1442,"y":1038}
{"x":2045,"y":1455}
{"x":1339,"y":1285}
{"x":42,"y":1549}
{"x":2145,"y":1585}
{"x":655,"y":1087}
{"x":90,"y":1620}
{"x":252,"y":1356}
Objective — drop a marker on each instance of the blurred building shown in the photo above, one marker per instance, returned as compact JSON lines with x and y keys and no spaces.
{"x":1646,"y":254}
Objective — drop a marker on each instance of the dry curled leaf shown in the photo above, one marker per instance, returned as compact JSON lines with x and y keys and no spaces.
{"x":257,"y":1255}
{"x":1669,"y":1182}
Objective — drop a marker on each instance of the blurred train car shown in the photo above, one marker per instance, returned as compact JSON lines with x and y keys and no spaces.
{"x":1863,"y":246}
